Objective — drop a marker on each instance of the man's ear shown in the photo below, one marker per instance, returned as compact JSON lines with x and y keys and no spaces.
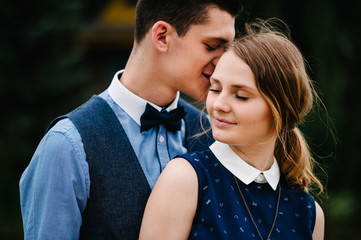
{"x":160,"y":35}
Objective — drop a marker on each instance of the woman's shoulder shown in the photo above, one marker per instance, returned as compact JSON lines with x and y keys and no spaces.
{"x":200,"y":160}
{"x":300,"y":199}
{"x":295,"y":191}
{"x":300,"y":193}
{"x":174,"y":194}
{"x":206,"y":166}
{"x":178,"y":169}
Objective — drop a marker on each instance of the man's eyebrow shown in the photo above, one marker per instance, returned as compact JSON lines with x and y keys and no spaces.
{"x":218,"y":39}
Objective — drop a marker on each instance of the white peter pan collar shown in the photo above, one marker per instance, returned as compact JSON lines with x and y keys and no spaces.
{"x":242,"y":170}
{"x":132,"y":104}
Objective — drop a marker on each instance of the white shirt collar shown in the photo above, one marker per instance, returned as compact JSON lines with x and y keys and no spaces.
{"x":242,"y":170}
{"x":132,"y":104}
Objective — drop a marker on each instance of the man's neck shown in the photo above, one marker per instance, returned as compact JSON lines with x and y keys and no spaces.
{"x":145,"y":84}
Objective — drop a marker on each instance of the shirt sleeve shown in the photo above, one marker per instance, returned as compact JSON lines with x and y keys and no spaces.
{"x":54,"y":188}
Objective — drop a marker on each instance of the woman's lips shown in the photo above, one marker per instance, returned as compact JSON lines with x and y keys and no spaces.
{"x":219,"y":122}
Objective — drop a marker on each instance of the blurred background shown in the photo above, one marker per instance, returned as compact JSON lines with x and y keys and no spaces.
{"x":54,"y":55}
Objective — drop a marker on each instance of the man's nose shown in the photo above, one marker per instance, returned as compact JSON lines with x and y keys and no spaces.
{"x":215,"y":61}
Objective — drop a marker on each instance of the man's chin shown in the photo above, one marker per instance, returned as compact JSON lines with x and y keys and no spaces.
{"x":201,"y":97}
{"x":197,"y":99}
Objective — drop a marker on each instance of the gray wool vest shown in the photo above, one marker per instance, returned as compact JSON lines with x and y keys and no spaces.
{"x":119,"y":188}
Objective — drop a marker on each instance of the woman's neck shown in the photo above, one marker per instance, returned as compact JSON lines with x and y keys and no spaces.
{"x":260,"y":156}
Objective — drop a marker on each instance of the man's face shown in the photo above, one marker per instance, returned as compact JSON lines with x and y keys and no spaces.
{"x":194,"y":56}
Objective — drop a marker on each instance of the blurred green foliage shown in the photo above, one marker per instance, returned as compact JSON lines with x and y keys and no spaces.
{"x":43,"y":75}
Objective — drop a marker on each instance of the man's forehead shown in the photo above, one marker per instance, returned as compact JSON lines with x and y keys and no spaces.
{"x":219,"y":26}
{"x":217,"y":34}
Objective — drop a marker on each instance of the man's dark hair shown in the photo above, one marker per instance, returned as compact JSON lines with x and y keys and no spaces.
{"x":181,"y":14}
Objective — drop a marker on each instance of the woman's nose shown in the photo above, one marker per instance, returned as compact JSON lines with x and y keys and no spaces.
{"x":221,"y":103}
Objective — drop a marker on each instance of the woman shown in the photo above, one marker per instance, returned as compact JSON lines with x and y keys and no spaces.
{"x":253,"y":181}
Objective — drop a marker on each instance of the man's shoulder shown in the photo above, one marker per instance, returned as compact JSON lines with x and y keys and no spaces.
{"x":63,"y":125}
{"x":64,"y":130}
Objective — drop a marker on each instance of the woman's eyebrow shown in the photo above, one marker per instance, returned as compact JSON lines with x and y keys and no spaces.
{"x":235,"y":86}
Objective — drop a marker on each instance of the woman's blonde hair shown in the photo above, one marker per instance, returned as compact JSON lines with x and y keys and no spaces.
{"x":282,"y":79}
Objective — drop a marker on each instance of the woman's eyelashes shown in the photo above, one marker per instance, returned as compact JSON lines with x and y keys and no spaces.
{"x":237,"y":96}
{"x":243,"y":98}
{"x":214,"y":90}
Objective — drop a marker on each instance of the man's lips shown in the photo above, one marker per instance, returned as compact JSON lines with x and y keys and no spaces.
{"x":206,"y":75}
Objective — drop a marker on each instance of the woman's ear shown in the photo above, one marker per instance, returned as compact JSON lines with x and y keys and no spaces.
{"x":160,"y":35}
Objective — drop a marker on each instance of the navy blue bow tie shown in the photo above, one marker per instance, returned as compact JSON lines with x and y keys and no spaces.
{"x":152,"y":118}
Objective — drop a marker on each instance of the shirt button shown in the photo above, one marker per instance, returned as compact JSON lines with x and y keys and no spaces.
{"x":161,"y":139}
{"x":260,"y":178}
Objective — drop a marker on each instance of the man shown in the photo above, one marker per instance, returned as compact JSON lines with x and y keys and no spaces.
{"x":93,"y":171}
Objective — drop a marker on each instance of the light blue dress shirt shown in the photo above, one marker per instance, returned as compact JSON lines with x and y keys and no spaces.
{"x":55,"y":186}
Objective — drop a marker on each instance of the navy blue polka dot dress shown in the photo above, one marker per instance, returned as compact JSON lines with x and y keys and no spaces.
{"x":221,"y":213}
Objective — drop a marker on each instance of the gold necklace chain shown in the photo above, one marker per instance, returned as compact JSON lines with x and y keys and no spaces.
{"x":249,"y":212}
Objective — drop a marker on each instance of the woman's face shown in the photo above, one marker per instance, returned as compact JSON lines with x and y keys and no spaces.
{"x":239,"y":114}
